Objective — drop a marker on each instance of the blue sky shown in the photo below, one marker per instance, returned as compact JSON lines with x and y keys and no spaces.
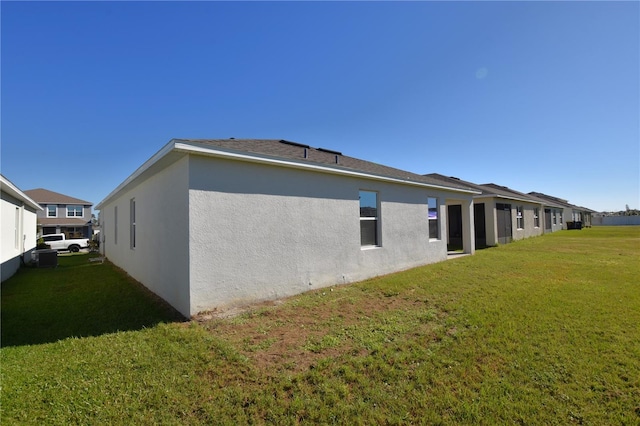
{"x":537,"y":96}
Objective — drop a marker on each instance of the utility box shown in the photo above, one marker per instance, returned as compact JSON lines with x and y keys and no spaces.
{"x":46,"y":258}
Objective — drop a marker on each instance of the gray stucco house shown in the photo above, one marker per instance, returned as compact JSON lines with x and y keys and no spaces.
{"x":571,"y":214}
{"x":62,"y":214}
{"x":209,"y":224}
{"x":501,"y":214}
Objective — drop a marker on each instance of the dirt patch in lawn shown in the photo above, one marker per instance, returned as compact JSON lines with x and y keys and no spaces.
{"x":285,"y":335}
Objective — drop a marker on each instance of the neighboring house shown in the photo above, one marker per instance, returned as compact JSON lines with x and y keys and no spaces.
{"x":207,"y":224}
{"x":553,"y":217}
{"x":501,"y":214}
{"x":571,"y":214}
{"x":62,"y":214}
{"x":18,"y":224}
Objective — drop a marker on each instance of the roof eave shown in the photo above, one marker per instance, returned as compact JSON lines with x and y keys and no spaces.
{"x":192,"y":147}
{"x":195,"y":148}
{"x":15,"y":192}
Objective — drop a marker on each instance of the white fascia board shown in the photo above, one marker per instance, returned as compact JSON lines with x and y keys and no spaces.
{"x":506,"y":198}
{"x":164,"y":151}
{"x":263,"y":159}
{"x":194,"y":148}
{"x":11,"y":189}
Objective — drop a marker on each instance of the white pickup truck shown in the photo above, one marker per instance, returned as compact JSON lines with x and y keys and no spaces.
{"x":59,"y":242}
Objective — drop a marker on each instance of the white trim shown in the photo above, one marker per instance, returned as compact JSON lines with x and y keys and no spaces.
{"x":11,"y":189}
{"x":132,"y":223}
{"x":164,"y":151}
{"x":176,"y":145}
{"x":75,"y":205}
{"x":437,"y":219}
{"x":47,"y":210}
{"x":519,"y":215}
{"x":376,"y":219}
{"x":261,"y":158}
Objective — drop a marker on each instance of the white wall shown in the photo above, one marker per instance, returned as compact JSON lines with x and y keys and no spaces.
{"x":261,"y":232}
{"x":615,"y":220}
{"x":16,"y":237}
{"x":160,"y":259}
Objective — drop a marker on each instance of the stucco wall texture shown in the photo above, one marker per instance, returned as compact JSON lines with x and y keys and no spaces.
{"x":160,"y":259}
{"x":216,"y":233}
{"x":18,"y":222}
{"x":262,"y":232}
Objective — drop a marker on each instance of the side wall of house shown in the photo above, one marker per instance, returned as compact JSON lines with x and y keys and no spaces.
{"x":261,"y":232}
{"x":17,"y":234}
{"x":160,"y":258}
{"x":529,"y":229}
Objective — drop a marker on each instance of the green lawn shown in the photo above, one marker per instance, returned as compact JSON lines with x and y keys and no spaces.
{"x":540,"y":331}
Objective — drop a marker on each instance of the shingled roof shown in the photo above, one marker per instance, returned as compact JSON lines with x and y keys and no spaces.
{"x":558,"y":201}
{"x":44,"y":196}
{"x":282,"y":149}
{"x":279,"y":152}
{"x":490,"y":189}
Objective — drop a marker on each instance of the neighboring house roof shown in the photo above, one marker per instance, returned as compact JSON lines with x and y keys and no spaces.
{"x":8,"y":187}
{"x":287,"y":154}
{"x":546,"y":202}
{"x":44,"y":196}
{"x":560,"y":201}
{"x":488,"y":189}
{"x":507,"y":192}
{"x":586,"y":209}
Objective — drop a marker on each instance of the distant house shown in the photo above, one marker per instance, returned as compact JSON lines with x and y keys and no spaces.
{"x":62,"y":214}
{"x":501,"y":214}
{"x":18,"y":224}
{"x":571,"y":214}
{"x":207,"y":224}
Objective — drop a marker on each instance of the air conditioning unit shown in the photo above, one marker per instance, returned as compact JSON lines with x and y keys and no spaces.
{"x":46,"y":258}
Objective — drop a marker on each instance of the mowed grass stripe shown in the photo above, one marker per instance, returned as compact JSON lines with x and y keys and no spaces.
{"x":540,"y":331}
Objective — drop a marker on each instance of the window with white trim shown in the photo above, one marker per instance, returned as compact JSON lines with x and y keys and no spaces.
{"x":434,"y":227}
{"x":74,"y":211}
{"x":369,"y":219}
{"x":115,"y":225}
{"x":520,"y":217}
{"x":132,"y":230}
{"x":555,"y":217}
{"x":536,"y":217}
{"x":52,"y":210}
{"x":17,"y":229}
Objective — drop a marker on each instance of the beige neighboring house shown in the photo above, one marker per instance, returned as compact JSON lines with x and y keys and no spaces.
{"x":501,"y":214}
{"x":18,"y":225}
{"x":62,"y":214}
{"x":573,"y":217}
{"x":209,"y":224}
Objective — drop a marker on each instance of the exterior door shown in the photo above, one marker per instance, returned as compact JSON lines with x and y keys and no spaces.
{"x":547,"y":220}
{"x":454,"y":218}
{"x":480,"y":225}
{"x":503,"y":212}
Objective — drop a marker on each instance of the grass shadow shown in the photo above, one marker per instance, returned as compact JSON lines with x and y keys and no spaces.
{"x":79,"y":298}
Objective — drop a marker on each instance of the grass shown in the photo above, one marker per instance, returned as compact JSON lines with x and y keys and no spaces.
{"x":540,"y":331}
{"x":78,"y":298}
